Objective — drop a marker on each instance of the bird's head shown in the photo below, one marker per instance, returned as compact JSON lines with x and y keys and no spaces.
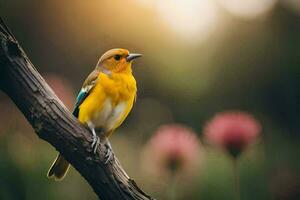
{"x":116,"y":61}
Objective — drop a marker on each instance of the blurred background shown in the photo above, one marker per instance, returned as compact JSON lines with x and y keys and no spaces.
{"x":201,"y":57}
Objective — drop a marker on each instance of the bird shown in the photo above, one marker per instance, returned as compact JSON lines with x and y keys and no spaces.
{"x":103,"y":103}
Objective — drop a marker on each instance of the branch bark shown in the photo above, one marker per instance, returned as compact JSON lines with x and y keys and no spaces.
{"x":54,"y":123}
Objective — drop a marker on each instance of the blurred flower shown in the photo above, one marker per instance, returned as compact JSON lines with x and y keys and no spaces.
{"x":172,"y":151}
{"x":62,"y":89}
{"x":232,"y":131}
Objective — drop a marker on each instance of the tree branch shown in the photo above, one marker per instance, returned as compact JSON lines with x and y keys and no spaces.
{"x":54,"y":123}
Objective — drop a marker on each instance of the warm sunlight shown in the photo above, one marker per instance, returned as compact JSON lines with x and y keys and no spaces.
{"x":193,"y":99}
{"x":191,"y":19}
{"x":247,"y":9}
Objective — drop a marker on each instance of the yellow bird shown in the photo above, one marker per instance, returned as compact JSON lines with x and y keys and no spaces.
{"x":104,"y":101}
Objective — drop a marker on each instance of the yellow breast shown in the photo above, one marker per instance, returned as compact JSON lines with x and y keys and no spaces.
{"x":110,"y":101}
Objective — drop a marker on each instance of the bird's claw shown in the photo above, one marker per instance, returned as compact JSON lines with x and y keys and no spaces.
{"x":95,"y":143}
{"x":96,"y":139}
{"x":109,"y":153}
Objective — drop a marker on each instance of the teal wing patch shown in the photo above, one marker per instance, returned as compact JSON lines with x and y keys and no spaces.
{"x":80,"y":98}
{"x":88,"y":85}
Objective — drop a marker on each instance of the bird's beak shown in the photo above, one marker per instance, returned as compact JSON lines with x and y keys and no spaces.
{"x":132,"y":56}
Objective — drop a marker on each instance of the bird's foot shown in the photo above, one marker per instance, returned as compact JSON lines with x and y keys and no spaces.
{"x":109,"y":152}
{"x":96,"y":139}
{"x":95,"y":143}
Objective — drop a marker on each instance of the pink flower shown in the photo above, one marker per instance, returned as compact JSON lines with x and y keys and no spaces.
{"x":232,"y":131}
{"x":173,"y":150}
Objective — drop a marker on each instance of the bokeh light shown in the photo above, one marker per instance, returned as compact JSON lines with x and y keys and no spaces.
{"x":247,"y":9}
{"x":192,"y":20}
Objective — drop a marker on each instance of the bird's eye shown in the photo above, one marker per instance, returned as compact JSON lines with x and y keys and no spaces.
{"x":117,"y":57}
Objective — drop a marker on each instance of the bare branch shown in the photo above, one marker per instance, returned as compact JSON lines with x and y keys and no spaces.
{"x":55,"y":124}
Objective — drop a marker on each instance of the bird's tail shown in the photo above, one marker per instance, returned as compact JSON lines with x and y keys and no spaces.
{"x":58,"y":169}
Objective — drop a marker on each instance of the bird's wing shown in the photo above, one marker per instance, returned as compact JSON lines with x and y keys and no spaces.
{"x":88,"y":85}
